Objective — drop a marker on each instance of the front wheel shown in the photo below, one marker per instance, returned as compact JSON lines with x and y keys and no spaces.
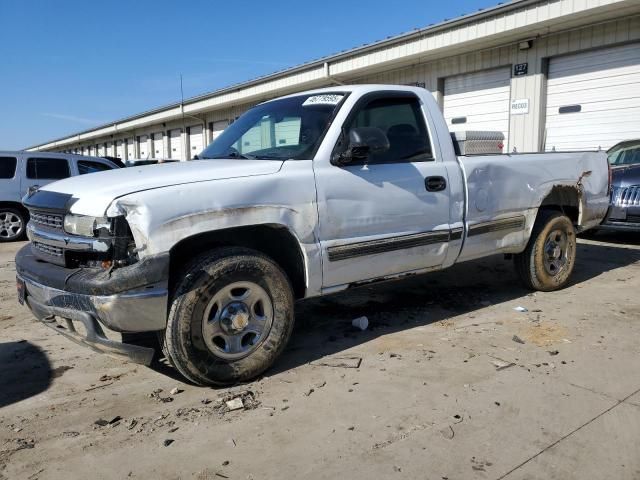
{"x":230,"y":318}
{"x":547,"y":262}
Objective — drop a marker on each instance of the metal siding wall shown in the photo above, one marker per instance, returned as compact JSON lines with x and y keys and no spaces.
{"x":526,"y":131}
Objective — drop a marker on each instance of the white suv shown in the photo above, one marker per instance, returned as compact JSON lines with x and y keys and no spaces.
{"x":21,"y":172}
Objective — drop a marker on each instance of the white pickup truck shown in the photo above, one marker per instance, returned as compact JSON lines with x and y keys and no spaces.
{"x":302,"y":196}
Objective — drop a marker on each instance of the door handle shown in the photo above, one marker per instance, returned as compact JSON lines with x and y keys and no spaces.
{"x":435,"y":184}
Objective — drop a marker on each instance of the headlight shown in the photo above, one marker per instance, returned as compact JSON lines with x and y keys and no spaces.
{"x":84,"y":225}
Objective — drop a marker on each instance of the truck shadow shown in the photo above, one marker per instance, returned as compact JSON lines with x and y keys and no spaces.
{"x":25,"y":371}
{"x":324,"y":324}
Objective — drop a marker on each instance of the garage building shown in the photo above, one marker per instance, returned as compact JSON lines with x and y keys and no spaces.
{"x":550,"y":75}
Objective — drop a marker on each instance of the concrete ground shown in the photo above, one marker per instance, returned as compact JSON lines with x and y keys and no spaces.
{"x":452,"y":383}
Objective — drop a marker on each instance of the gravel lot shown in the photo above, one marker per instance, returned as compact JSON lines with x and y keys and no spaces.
{"x":451,"y":383}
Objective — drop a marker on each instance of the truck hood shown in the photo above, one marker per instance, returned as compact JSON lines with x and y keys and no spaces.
{"x":93,"y":193}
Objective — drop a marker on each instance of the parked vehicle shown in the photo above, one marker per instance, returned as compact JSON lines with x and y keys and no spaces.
{"x":24,"y":171}
{"x":624,"y":210}
{"x":302,"y":196}
{"x":139,"y":162}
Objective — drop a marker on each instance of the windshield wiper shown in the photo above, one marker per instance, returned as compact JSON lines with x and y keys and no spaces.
{"x":230,"y":155}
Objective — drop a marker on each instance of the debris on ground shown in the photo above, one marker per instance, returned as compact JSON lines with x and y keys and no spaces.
{"x":70,"y":434}
{"x":168,"y":442}
{"x":447,"y":432}
{"x":156,"y":395}
{"x":501,"y":364}
{"x":243,"y":400}
{"x":554,"y":352}
{"x":339,"y":362}
{"x":236,"y":404}
{"x":95,"y":387}
{"x":175,"y":391}
{"x":517,"y":339}
{"x":106,"y":378}
{"x":361,"y":323}
{"x":521,"y":309}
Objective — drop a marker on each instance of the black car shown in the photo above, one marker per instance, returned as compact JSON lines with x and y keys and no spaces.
{"x":624,"y":209}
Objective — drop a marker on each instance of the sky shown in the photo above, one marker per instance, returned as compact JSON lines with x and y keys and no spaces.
{"x":69,"y":65}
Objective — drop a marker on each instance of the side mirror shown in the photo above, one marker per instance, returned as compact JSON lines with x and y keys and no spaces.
{"x":363,"y":141}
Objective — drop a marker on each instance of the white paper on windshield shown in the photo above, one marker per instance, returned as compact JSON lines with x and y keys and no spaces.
{"x":330,"y":99}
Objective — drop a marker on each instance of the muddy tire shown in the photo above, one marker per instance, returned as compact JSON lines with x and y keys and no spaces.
{"x":13,"y":224}
{"x":230,"y":317}
{"x":547,"y":262}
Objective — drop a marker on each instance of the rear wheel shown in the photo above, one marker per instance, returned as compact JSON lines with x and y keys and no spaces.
{"x":230,"y":318}
{"x":13,"y":224}
{"x":547,"y":262}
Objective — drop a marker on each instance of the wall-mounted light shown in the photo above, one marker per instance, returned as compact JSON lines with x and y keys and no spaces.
{"x":525,"y":44}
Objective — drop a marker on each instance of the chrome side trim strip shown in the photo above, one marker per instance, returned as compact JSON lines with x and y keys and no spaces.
{"x":514,"y":223}
{"x":384,"y":245}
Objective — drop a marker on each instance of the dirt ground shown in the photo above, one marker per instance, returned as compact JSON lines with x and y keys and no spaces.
{"x":448,"y":382}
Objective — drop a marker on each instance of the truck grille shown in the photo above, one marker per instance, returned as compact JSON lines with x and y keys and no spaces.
{"x":48,"y":249}
{"x":627,"y":196}
{"x":51,"y":220}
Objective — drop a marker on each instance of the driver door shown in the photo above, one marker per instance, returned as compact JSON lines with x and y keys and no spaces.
{"x":387,"y":214}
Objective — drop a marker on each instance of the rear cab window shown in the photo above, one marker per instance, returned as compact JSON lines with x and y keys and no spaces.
{"x":8,"y":167}
{"x":87,"y":166}
{"x":40,"y":168}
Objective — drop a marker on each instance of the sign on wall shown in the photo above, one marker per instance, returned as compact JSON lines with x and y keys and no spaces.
{"x":520,"y":107}
{"x":520,"y":69}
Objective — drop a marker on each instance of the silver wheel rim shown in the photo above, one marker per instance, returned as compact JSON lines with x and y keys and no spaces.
{"x":557,"y":249}
{"x":237,"y":320}
{"x":10,"y":225}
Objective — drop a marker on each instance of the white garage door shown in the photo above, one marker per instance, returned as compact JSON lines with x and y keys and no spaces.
{"x":593,"y":99}
{"x":196,"y":142}
{"x":175,"y":144}
{"x":120,"y":149}
{"x":143,"y":146}
{"x":158,"y":146}
{"x":131,"y":153}
{"x":478,"y":101}
{"x":217,"y":128}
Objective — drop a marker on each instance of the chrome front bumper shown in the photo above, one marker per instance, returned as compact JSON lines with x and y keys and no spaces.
{"x":131,"y":299}
{"x":142,"y":310}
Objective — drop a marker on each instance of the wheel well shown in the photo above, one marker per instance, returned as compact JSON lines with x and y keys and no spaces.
{"x":563,"y":199}
{"x":275,"y":241}
{"x":17,"y":206}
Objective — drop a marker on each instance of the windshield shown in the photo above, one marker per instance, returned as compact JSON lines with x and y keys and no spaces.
{"x":625,"y":154}
{"x":289,"y":128}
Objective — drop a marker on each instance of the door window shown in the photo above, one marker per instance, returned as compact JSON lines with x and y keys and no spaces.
{"x":8,"y":167}
{"x":85,"y":166}
{"x":47,"y":168}
{"x":401,"y":119}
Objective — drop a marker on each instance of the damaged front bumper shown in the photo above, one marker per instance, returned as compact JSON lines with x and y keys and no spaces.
{"x":130,"y":299}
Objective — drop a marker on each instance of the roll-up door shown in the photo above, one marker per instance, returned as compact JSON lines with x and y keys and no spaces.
{"x":131,"y":151}
{"x":143,"y":147}
{"x":175,"y":144}
{"x":158,"y":146}
{"x":120,"y":149}
{"x":593,"y":99}
{"x":478,"y":101}
{"x":217,"y":128}
{"x":196,"y":142}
